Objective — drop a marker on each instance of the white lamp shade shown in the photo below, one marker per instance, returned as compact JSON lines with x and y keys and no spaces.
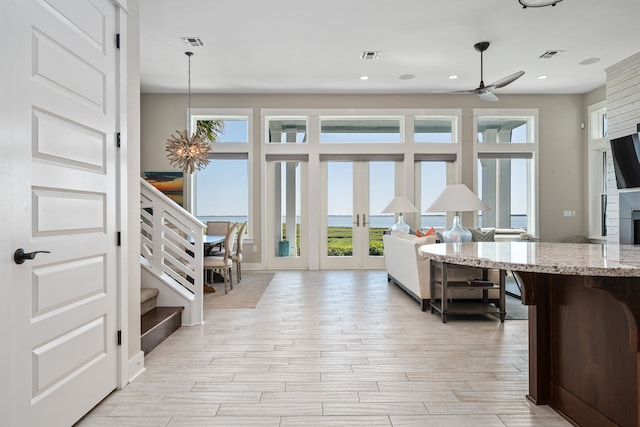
{"x":457,"y":198}
{"x":400,"y":204}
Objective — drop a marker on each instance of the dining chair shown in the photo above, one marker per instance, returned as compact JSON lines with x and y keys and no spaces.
{"x":224,"y":261}
{"x":236,"y":257}
{"x":216,"y":228}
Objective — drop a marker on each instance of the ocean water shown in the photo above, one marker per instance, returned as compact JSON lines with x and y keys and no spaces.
{"x":376,"y":221}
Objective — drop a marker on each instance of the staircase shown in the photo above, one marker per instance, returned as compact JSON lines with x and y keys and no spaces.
{"x":156,"y":323}
{"x":171,"y":260}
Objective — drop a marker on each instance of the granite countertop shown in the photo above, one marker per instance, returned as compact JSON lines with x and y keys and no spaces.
{"x":555,"y":258}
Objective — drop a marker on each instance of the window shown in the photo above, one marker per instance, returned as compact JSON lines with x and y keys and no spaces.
{"x":431,"y":176}
{"x":505,"y":169}
{"x":504,"y":185}
{"x":434,"y":130}
{"x":351,"y":164}
{"x":221,"y":191}
{"x":235,"y":130}
{"x":360,"y":130}
{"x":289,"y":193}
{"x":513,"y":130}
{"x":286,"y":130}
{"x":598,"y":160}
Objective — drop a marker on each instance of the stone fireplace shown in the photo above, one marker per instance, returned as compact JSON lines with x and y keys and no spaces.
{"x":629,"y":215}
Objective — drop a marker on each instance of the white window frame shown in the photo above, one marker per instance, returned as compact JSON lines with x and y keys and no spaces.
{"x":372,"y":117}
{"x":220,"y":148}
{"x":599,"y":152}
{"x":532,"y":148}
{"x":405,"y":174}
{"x":268,"y":118}
{"x":455,"y":127}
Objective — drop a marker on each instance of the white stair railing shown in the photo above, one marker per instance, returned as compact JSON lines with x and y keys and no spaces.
{"x":171,"y":242}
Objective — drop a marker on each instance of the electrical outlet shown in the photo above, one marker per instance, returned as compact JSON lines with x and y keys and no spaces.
{"x":255,"y":248}
{"x":569,"y":213}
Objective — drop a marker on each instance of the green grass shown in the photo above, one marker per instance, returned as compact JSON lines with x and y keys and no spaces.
{"x":340,"y":241}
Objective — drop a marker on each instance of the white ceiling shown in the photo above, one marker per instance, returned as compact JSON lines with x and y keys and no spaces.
{"x":303,"y":46}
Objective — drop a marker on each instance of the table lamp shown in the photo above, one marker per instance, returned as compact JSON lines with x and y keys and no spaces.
{"x":400,"y":205}
{"x":457,"y":198}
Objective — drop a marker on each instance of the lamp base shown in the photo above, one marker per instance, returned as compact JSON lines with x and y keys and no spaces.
{"x":456,"y":233}
{"x":401,"y":226}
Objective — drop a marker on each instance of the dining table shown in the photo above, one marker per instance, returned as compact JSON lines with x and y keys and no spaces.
{"x":213,"y":239}
{"x":209,"y":241}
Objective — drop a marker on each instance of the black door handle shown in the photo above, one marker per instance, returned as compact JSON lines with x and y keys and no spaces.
{"x":19,"y":256}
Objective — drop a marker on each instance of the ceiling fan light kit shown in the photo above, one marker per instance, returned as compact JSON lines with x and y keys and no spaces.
{"x":538,"y":3}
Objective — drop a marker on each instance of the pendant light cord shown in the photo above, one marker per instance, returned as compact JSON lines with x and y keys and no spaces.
{"x":189,"y":54}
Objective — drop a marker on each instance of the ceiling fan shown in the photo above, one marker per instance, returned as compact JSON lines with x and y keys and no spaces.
{"x":486,"y":92}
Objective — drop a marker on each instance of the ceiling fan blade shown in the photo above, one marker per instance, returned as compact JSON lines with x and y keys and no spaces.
{"x":487,"y":96}
{"x":506,"y":80}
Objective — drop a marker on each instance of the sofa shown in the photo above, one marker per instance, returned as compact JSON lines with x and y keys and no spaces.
{"x":411,"y":271}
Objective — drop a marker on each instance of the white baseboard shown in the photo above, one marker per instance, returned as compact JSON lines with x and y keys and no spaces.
{"x":136,"y":366}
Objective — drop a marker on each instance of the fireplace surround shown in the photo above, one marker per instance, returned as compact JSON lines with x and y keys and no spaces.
{"x":629,"y":217}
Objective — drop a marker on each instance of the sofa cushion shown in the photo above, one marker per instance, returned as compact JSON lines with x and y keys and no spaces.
{"x":402,"y":235}
{"x":426,"y":240}
{"x":478,"y":235}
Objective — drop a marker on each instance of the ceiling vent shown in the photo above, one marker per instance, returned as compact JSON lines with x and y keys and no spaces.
{"x":550,"y":54}
{"x":370,"y":54}
{"x":192,"y":41}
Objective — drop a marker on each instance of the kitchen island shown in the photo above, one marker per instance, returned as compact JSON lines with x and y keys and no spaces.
{"x":584,"y":317}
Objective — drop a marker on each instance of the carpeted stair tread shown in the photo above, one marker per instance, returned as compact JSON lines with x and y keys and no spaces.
{"x":148,"y":293}
{"x":148,"y":298}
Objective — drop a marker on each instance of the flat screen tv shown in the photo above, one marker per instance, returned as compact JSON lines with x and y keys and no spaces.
{"x":626,"y":160}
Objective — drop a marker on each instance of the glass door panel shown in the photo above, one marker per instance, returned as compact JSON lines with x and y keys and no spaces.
{"x":356,"y":193}
{"x":340,"y":218}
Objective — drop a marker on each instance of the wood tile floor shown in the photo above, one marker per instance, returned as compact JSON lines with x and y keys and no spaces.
{"x":332,"y":348}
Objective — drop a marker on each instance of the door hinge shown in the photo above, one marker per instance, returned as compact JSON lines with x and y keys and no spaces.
{"x":118,"y":41}
{"x":118,"y":139}
{"x":119,"y":337}
{"x":118,"y":238}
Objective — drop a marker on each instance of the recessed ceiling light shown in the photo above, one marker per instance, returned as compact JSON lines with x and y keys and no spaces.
{"x":364,"y":77}
{"x":453,"y":77}
{"x":406,"y":77}
{"x":589,"y":61}
{"x":542,"y":77}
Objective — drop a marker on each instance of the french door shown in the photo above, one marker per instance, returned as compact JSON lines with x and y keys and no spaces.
{"x":353,"y":196}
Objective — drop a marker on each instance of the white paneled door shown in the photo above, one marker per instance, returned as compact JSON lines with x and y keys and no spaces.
{"x":63,"y":97}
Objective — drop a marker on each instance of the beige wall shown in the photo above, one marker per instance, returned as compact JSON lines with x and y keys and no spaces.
{"x":562,"y":170}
